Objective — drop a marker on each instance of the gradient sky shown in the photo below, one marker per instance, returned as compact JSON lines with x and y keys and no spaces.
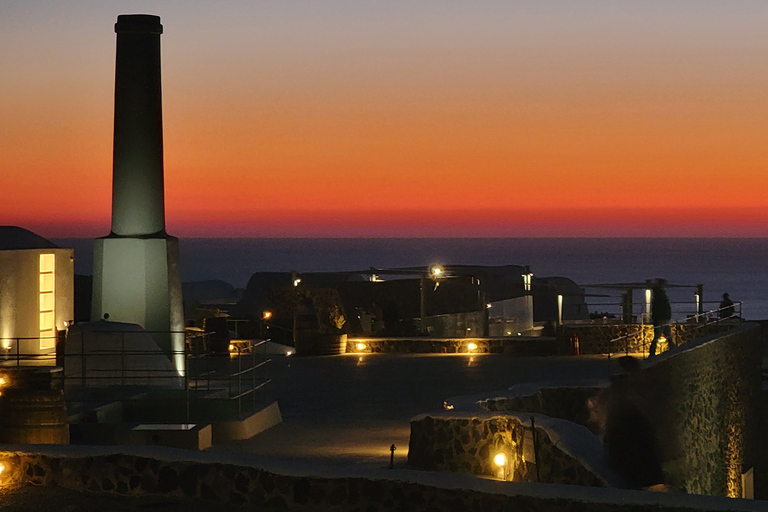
{"x":401,"y":118}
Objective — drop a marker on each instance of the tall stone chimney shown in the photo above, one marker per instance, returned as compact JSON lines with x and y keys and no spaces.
{"x":138,"y":203}
{"x":135,"y":268}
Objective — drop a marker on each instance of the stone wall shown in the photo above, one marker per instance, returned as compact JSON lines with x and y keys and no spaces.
{"x":236,"y":483}
{"x":467,"y":443}
{"x":702,"y":400}
{"x":518,"y":345}
{"x":567,"y":403}
{"x":618,"y":338}
{"x":704,"y":405}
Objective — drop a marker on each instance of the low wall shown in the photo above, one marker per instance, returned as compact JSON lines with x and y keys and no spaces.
{"x":171,"y":473}
{"x":705,"y":402}
{"x":604,"y":338}
{"x":467,"y":443}
{"x":566,"y":402}
{"x":518,"y":345}
{"x":702,"y":400}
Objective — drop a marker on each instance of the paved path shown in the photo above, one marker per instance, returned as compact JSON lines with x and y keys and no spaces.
{"x":348,"y":410}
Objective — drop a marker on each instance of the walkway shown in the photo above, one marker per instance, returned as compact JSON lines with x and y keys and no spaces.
{"x":348,"y":410}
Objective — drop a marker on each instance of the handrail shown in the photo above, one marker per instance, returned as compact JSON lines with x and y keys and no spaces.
{"x":713,"y":316}
{"x":236,"y":372}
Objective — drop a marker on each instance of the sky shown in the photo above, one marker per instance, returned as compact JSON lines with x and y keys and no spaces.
{"x":401,"y":118}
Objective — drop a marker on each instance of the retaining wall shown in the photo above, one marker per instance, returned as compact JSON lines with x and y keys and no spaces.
{"x":236,"y":484}
{"x":701,"y":398}
{"x":518,"y":345}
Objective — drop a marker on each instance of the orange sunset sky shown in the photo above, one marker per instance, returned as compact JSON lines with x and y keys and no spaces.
{"x":395,"y":118}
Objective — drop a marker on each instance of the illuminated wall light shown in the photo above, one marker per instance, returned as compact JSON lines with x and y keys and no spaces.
{"x":489,"y":305}
{"x":360,"y":346}
{"x":648,"y":303}
{"x":232,"y":348}
{"x":472,"y":346}
{"x":290,"y":352}
{"x":296,"y":281}
{"x":447,"y":406}
{"x":266,"y":315}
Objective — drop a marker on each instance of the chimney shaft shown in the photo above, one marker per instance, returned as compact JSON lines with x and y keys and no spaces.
{"x":138,"y":203}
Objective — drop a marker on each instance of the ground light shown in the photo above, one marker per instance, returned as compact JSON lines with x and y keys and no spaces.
{"x":501,"y":460}
{"x":5,"y":473}
{"x":5,"y":381}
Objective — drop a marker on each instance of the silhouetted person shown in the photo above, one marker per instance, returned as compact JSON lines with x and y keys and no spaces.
{"x":631,"y":445}
{"x":726,"y":307}
{"x":661,"y":314}
{"x":629,"y":438}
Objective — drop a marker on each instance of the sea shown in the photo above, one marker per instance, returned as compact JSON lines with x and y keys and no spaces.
{"x":738,"y":266}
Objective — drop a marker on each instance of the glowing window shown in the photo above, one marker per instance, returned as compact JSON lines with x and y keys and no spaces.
{"x":47,"y":282}
{"x":47,"y":301}
{"x":47,"y":263}
{"x":46,"y":321}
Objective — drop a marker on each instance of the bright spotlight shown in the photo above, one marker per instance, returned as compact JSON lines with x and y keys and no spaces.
{"x":288,"y":353}
{"x":266,"y":315}
{"x":360,"y":346}
{"x":472,"y":346}
{"x":500,"y":459}
{"x":436,"y":271}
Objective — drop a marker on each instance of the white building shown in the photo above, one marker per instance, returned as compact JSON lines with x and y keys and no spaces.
{"x":36,"y":292}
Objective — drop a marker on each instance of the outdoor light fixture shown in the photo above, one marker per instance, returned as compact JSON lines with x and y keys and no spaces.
{"x":501,"y":460}
{"x":489,"y":305}
{"x":436,"y":271}
{"x":360,"y":347}
{"x":296,"y":281}
{"x":5,"y":381}
{"x":288,"y":353}
{"x":232,"y":347}
{"x":266,"y":315}
{"x":527,"y":277}
{"x":472,"y":346}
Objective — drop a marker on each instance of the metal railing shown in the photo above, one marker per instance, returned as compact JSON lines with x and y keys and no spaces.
{"x":688,"y":326}
{"x":237,"y":374}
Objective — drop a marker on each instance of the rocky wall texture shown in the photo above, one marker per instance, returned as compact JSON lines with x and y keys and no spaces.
{"x":250,"y":487}
{"x":617,"y":338}
{"x":701,"y":400}
{"x":704,"y":406}
{"x":536,"y":346}
{"x":568,"y":403}
{"x":468,"y":444}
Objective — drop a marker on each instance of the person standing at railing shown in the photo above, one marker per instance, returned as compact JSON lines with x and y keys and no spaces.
{"x":726,"y":307}
{"x":661,"y":314}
